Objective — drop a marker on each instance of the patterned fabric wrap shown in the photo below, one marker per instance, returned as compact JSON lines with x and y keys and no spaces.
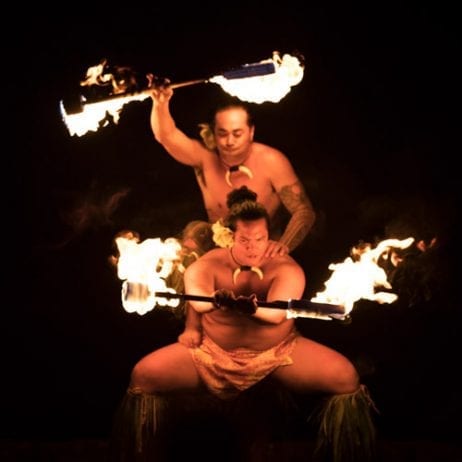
{"x":228,"y":372}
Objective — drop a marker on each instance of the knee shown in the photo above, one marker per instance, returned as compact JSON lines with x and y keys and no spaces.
{"x":346,"y":379}
{"x":143,"y":378}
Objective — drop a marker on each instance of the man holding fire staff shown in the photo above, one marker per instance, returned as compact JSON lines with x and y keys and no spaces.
{"x":243,"y":343}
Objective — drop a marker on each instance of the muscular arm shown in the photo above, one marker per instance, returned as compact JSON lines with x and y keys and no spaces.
{"x":182,"y":148}
{"x":302,"y":214}
{"x":199,"y":280}
{"x":289,"y":283}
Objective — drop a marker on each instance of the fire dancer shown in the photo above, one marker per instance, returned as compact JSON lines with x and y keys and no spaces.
{"x":227,"y":158}
{"x":243,"y":343}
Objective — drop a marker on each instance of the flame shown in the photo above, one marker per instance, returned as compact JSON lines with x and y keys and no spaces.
{"x":358,"y":279}
{"x":97,"y":115}
{"x":144,"y":267}
{"x":272,"y":86}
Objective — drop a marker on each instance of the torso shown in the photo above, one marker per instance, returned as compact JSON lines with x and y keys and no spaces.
{"x":230,"y":330}
{"x":215,"y":189}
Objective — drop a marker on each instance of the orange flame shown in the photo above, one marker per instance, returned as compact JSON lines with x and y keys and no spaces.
{"x":144,"y":267}
{"x":358,"y":279}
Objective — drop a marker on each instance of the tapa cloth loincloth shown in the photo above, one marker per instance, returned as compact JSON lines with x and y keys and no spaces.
{"x":228,"y":372}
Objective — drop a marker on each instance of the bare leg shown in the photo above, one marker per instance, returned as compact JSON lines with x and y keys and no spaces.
{"x":346,"y":428}
{"x":168,"y":369}
{"x":140,"y":423}
{"x":317,"y":368}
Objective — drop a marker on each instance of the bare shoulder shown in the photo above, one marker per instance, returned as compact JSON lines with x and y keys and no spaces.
{"x":209,"y":261}
{"x":275,"y":163}
{"x":283,"y":264}
{"x":268,"y":152}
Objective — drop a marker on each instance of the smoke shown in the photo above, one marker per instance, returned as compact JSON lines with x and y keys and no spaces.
{"x":92,"y":210}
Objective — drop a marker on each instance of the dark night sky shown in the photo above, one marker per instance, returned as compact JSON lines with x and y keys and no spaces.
{"x":369,"y":129}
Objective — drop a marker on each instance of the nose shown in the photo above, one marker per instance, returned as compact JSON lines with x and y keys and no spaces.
{"x":250,"y":246}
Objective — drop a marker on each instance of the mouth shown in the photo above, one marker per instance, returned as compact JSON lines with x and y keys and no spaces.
{"x":252,"y":257}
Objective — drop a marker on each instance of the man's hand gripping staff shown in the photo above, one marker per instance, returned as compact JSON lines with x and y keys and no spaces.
{"x":225,"y":300}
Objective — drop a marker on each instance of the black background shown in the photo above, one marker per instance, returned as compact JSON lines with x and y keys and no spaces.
{"x":369,"y":129}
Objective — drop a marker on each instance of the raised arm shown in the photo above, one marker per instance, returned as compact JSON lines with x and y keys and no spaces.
{"x":184,"y":149}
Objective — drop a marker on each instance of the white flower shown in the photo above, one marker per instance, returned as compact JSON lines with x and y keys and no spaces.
{"x":222,"y":236}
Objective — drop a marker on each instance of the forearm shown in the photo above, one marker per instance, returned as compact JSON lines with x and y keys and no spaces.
{"x":302,"y":213}
{"x":299,"y":226}
{"x":162,"y":123}
{"x":270,"y":315}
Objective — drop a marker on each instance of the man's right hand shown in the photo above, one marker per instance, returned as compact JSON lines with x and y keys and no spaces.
{"x":161,"y":89}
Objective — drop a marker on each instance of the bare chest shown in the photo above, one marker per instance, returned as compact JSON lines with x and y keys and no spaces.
{"x":216,"y":182}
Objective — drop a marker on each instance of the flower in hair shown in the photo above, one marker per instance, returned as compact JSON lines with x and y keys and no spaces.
{"x":222,"y":235}
{"x":207,"y":136}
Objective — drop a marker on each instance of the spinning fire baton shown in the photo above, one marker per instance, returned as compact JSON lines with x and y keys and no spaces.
{"x":106,"y":93}
{"x":77,"y":104}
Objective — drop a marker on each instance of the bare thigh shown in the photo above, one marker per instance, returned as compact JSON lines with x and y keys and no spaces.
{"x":167,"y":369}
{"x":318,"y":368}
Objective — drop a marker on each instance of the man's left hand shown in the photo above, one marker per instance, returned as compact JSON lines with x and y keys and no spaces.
{"x":276,"y":248}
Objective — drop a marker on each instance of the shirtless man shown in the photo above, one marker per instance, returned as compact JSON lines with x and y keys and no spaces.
{"x":242,"y":342}
{"x":229,"y":158}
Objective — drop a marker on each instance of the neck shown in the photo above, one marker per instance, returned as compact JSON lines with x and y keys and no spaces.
{"x":247,"y":268}
{"x":234,"y":258}
{"x":237,"y":262}
{"x":234,"y":162}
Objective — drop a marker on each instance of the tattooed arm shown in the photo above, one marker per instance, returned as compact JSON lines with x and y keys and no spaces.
{"x":302,"y":213}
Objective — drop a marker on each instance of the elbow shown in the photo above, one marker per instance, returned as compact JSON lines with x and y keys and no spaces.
{"x":309,"y":217}
{"x":158,"y":136}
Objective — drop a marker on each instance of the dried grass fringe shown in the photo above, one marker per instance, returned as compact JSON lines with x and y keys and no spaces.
{"x":136,"y":423}
{"x":346,"y":429}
